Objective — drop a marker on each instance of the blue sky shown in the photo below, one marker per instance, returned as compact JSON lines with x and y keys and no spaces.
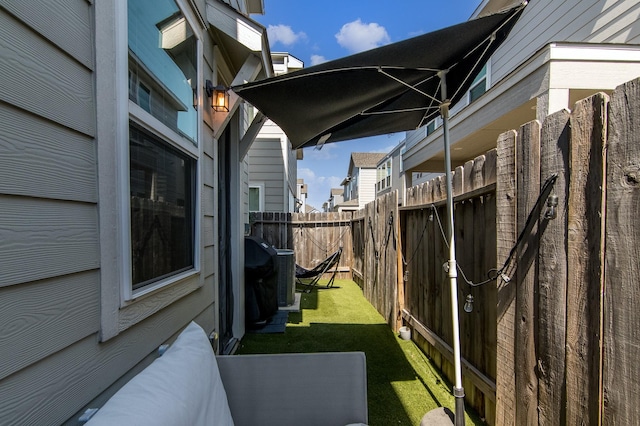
{"x":319,"y":31}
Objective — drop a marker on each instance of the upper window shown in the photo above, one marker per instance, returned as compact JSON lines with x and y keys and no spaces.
{"x":431,"y":127}
{"x":479,"y":85}
{"x":384,"y":175}
{"x":163,"y":64}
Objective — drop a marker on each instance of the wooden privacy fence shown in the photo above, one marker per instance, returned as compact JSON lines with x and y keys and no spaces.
{"x":427,"y":306}
{"x":552,"y":213}
{"x":554,"y":342}
{"x":312,"y":236}
{"x":376,"y":250}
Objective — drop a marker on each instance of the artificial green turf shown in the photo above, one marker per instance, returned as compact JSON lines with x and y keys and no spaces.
{"x":403,"y":384}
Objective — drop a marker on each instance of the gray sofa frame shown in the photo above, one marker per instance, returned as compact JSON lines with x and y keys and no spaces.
{"x":296,"y":389}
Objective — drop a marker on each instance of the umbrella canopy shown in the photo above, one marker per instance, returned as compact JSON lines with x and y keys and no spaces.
{"x":389,"y":89}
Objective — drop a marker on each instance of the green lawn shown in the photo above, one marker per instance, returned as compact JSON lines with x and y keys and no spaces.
{"x":402,"y":383}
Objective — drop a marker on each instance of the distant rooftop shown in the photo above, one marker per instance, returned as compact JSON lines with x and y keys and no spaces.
{"x":366,"y":159}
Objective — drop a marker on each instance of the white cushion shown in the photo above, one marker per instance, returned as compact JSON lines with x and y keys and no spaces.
{"x":182,"y":387}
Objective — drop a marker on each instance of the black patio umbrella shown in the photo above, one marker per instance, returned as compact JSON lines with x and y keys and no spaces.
{"x":397,"y":87}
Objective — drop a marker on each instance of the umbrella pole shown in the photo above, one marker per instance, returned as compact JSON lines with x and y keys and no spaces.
{"x":458,"y":389}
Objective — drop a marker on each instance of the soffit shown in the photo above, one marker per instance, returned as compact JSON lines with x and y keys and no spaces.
{"x":238,"y":36}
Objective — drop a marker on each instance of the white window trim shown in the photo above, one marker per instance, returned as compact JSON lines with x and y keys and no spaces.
{"x":121,"y":306}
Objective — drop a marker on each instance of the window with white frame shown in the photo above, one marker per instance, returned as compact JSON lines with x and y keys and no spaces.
{"x":256,"y":198}
{"x":384,"y":175}
{"x":148,"y":87}
{"x":163,"y":139}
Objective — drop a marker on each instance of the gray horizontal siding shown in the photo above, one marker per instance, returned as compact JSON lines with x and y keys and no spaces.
{"x":38,"y":78}
{"x":42,"y":318}
{"x":52,"y":390}
{"x":65,"y":23}
{"x":263,"y":176}
{"x":41,"y":159}
{"x":51,"y":361}
{"x":208,"y":202}
{"x":267,"y":167}
{"x":45,"y":238}
{"x":545,"y":21}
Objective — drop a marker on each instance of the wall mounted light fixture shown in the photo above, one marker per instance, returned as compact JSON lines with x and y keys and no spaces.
{"x":219,"y":96}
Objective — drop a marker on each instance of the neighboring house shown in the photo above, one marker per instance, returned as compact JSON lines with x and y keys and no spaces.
{"x":390,"y":173}
{"x":272,"y":163}
{"x":335,"y":199}
{"x":121,"y":216}
{"x":301,"y":196}
{"x":559,"y":52}
{"x":360,"y":183}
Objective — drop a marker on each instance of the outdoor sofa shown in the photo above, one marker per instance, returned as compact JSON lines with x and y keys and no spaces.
{"x":189,"y":385}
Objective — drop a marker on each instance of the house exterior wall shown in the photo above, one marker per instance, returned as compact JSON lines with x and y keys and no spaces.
{"x":546,"y":21}
{"x":549,"y":61}
{"x":397,"y":174}
{"x":272,"y":163}
{"x":59,"y":221}
{"x":273,"y":166}
{"x":366,"y":186}
{"x":267,"y":169}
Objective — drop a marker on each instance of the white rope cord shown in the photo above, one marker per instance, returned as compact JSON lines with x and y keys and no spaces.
{"x":331,"y":247}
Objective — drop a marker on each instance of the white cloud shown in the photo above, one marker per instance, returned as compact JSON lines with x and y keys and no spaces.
{"x":284,"y":34}
{"x":326,"y":153}
{"x":307,"y":174}
{"x":317,"y":59}
{"x":357,"y":36}
{"x":319,"y":186}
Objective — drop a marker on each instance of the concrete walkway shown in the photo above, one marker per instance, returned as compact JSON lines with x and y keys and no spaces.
{"x":438,"y":417}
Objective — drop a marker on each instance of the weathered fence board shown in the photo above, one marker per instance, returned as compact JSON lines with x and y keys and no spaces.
{"x":621,"y":370}
{"x":552,"y":275}
{"x":528,"y":187}
{"x":584,"y":256}
{"x":505,"y":304}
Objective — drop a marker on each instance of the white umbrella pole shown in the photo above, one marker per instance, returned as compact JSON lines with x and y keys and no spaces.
{"x":458,"y":390}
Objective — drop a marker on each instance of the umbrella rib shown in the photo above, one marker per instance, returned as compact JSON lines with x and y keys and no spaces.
{"x":294,"y":76}
{"x":395,"y":111}
{"x":424,"y":117}
{"x":409,"y":85}
{"x":491,"y":38}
